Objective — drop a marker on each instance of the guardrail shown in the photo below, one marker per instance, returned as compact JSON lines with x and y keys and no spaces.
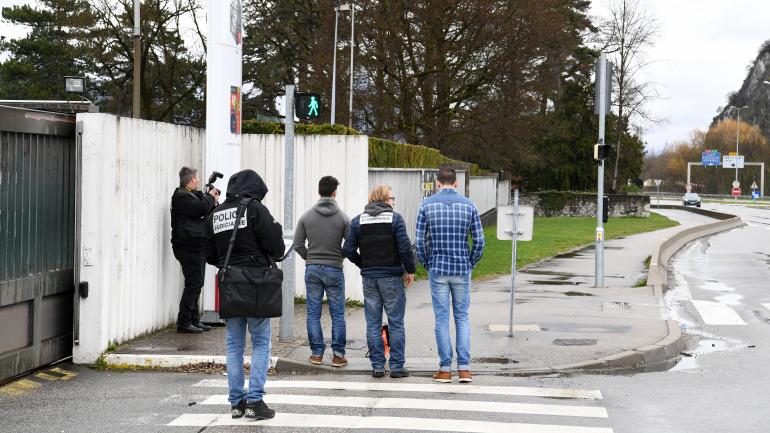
{"x":658,"y":273}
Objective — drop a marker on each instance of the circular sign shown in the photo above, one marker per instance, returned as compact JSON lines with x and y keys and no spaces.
{"x":688,"y":188}
{"x":736,"y":184}
{"x":736,"y":191}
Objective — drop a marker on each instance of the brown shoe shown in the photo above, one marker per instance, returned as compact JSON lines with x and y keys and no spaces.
{"x":316,"y":359}
{"x":338,"y":361}
{"x":465,"y":376}
{"x":443,"y":376}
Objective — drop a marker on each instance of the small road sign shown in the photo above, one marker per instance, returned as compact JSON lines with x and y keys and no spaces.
{"x":736,"y":184}
{"x":754,"y":185}
{"x":736,"y":192}
{"x":732,"y":161}
{"x":524,"y":224}
{"x":688,"y":187}
{"x":755,"y":194}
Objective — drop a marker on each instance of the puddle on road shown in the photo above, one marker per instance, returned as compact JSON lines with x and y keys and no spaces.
{"x":554,"y":283}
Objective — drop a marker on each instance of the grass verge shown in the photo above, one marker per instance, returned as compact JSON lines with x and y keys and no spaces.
{"x":553,"y":236}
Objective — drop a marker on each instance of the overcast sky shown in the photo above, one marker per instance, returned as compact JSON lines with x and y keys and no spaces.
{"x":701,"y":55}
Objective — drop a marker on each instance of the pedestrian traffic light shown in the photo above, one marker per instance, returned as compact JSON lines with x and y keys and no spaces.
{"x":307,"y":106}
{"x":605,"y":209}
{"x":601,"y":151}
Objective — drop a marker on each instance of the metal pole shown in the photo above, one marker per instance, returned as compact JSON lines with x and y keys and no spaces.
{"x":352,"y":27}
{"x":137,"y":59}
{"x":737,"y":141}
{"x":286,"y":326}
{"x":334,"y":67}
{"x":600,"y":176}
{"x":513,"y":258}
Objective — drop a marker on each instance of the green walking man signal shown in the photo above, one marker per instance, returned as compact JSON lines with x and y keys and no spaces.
{"x":307,"y":106}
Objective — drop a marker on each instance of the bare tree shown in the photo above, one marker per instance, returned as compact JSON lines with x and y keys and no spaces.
{"x":625,"y":34}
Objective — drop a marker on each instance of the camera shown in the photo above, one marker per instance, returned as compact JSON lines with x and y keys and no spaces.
{"x":213,"y":178}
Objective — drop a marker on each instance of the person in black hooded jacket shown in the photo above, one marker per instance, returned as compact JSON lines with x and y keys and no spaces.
{"x":259,"y":235}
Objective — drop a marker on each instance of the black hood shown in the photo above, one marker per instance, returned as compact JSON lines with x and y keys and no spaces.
{"x":377,"y":207}
{"x":246,"y":183}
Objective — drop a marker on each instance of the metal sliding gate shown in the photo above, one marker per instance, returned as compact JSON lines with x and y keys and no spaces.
{"x":37,"y":227}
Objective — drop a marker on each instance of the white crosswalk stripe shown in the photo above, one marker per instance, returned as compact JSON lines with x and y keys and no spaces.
{"x":425,"y":407}
{"x":415,"y":403}
{"x":420,"y":387}
{"x":716,"y":313}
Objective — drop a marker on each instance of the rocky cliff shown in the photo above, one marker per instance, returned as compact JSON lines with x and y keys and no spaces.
{"x":754,"y":93}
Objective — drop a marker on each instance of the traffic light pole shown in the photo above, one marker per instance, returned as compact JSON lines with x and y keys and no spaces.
{"x":286,"y":325}
{"x":600,"y":177}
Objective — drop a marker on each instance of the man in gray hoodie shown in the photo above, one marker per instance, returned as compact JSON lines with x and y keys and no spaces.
{"x":324,"y":228}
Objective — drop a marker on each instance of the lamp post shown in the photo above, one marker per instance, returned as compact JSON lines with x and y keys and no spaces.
{"x":352,"y":28}
{"x":137,"y":58}
{"x":737,"y":132}
{"x":342,"y":7}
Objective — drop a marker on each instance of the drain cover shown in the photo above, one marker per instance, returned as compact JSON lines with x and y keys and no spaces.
{"x":574,"y":342}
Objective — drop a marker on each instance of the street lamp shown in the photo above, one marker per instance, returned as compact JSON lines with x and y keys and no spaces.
{"x":342,"y":7}
{"x":737,"y":132}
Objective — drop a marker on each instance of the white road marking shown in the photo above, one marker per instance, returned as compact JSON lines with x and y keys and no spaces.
{"x":516,"y":328}
{"x":414,"y":403}
{"x":419,"y":387}
{"x":381,"y":422}
{"x":715,"y":313}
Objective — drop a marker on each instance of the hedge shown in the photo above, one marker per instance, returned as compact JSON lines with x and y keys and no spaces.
{"x":386,"y":153}
{"x":263,"y":127}
{"x":382,"y":153}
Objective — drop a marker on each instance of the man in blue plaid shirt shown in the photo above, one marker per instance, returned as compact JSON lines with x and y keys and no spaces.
{"x":443,"y":224}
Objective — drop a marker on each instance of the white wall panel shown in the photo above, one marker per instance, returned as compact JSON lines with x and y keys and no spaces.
{"x":483,"y":192}
{"x":129,"y":171}
{"x":503,"y":192}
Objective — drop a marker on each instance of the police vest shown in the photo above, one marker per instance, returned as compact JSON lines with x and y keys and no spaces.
{"x":378,"y":247}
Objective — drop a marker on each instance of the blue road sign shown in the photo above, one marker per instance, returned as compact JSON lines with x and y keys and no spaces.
{"x":711,"y":158}
{"x":755,"y":194}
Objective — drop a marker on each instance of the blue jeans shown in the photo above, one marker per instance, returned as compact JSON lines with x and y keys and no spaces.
{"x":260,"y":357}
{"x":460,"y":288}
{"x":320,"y":279}
{"x":388,"y":294}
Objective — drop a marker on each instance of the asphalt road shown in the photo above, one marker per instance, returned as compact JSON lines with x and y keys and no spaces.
{"x":720,"y":294}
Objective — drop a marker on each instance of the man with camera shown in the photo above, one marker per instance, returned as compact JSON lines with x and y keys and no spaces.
{"x":189,"y":208}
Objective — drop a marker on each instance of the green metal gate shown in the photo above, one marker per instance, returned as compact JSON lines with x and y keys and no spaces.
{"x":37,"y":227}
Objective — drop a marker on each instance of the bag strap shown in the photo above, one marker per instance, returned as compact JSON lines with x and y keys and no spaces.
{"x":241,"y":209}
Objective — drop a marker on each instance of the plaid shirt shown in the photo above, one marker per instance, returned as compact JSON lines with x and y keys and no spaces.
{"x":443,"y":223}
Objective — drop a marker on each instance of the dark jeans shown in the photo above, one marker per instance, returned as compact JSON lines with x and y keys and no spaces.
{"x":190,"y":256}
{"x":388,"y":294}
{"x":320,"y":279}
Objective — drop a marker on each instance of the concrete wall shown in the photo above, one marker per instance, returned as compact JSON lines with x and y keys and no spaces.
{"x":129,"y":170}
{"x":345,"y":157}
{"x":483,"y":193}
{"x":584,"y":204}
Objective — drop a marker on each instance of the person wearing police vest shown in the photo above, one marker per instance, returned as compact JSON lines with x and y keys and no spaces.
{"x":259,"y":235}
{"x":378,"y":243}
{"x":189,"y":207}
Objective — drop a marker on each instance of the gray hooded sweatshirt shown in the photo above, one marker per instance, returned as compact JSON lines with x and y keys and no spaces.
{"x":324,"y":227}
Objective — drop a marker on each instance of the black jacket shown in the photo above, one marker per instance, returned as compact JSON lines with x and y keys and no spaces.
{"x":188,"y":211}
{"x":258,"y":234}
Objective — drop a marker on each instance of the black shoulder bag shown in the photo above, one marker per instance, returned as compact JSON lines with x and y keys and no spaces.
{"x":249,"y":292}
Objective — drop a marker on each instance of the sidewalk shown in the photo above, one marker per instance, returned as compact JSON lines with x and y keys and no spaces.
{"x":562,"y":322}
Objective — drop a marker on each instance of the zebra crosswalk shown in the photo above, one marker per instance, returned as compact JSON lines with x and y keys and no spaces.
{"x":414,"y":406}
